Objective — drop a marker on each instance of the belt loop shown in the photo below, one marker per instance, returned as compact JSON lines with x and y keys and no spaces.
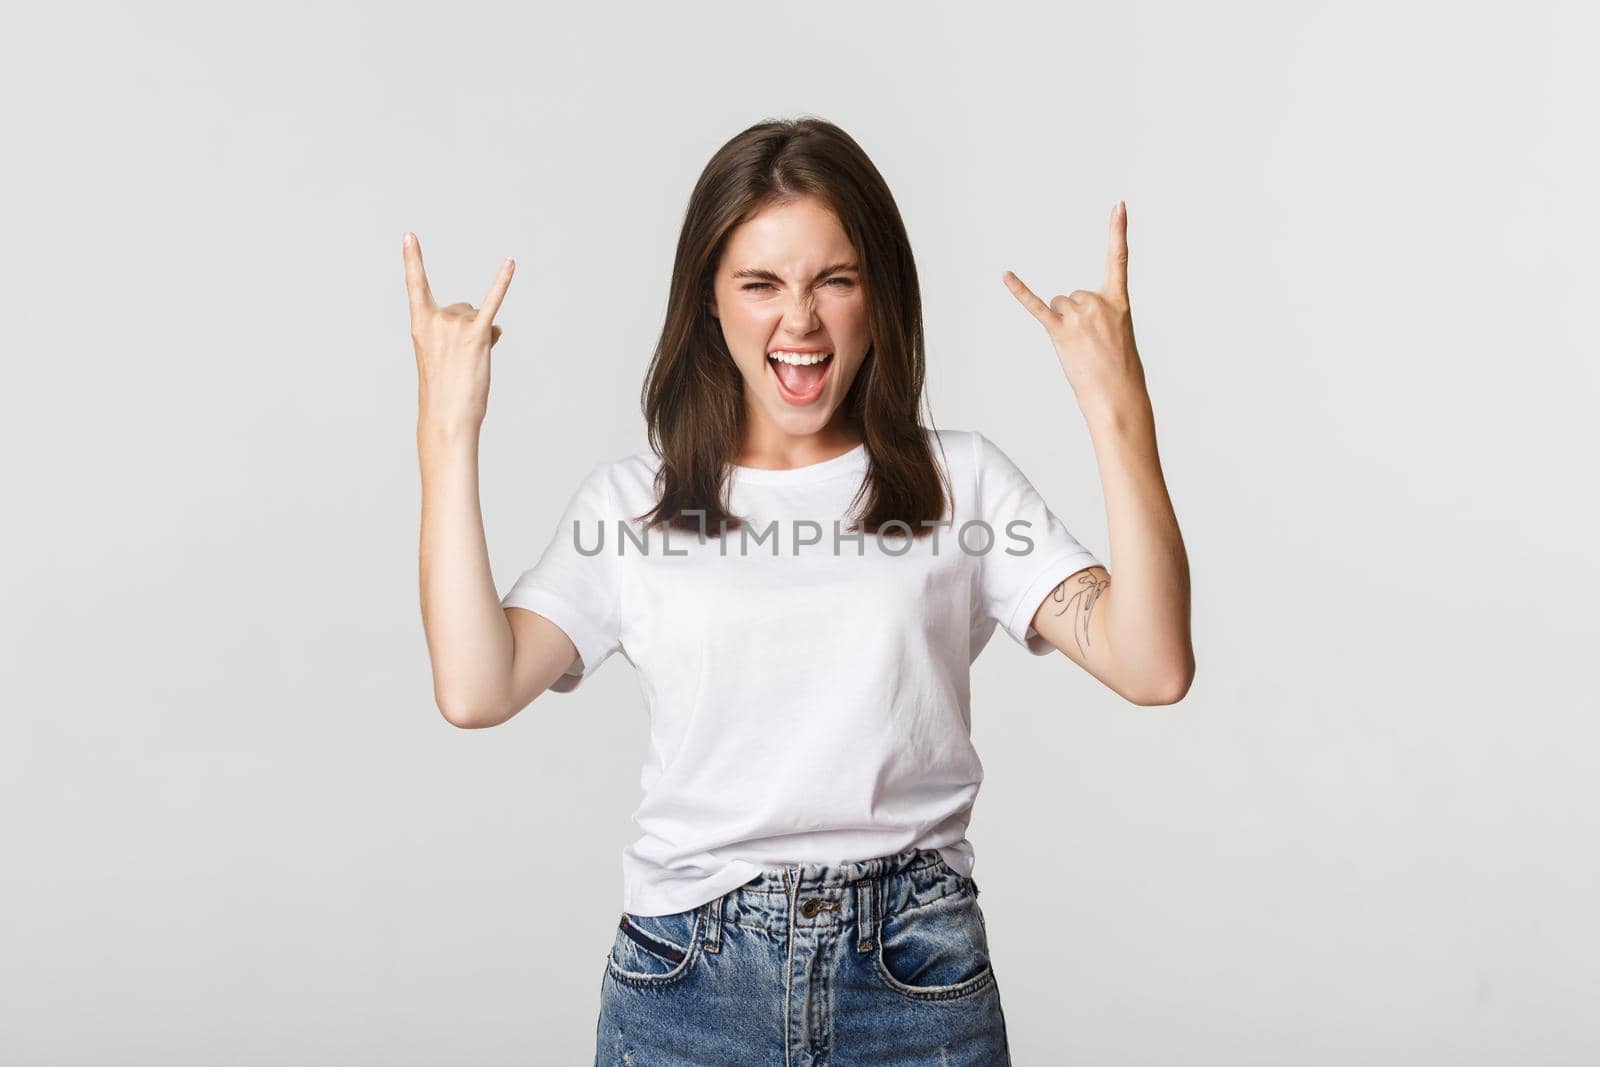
{"x":712,"y":917}
{"x":866,"y":909}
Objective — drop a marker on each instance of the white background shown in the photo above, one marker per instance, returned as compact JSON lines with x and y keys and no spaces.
{"x":236,"y":828}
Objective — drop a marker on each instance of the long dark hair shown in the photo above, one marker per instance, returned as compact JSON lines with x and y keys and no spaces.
{"x":693,"y":395}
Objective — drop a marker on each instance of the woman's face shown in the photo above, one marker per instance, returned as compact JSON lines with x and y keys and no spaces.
{"x":789,"y":279}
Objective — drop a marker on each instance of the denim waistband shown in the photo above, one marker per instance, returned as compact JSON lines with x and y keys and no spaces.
{"x":815,"y":895}
{"x":840,"y":872}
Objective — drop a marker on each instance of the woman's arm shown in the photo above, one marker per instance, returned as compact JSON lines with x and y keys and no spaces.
{"x":486,"y":668}
{"x":469,"y":637}
{"x":488,"y":662}
{"x":1131,"y":631}
{"x":1129,"y":628}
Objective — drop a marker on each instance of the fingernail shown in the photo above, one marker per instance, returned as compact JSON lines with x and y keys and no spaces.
{"x":405,"y":239}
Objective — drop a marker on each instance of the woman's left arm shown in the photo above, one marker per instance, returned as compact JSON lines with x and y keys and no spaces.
{"x":1130,"y":631}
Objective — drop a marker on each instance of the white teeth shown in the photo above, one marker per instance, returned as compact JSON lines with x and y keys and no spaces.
{"x":799,"y":359}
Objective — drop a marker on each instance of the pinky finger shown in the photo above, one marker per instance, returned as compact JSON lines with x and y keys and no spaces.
{"x":497,"y":291}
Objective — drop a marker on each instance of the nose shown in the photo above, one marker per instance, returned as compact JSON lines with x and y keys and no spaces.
{"x":800,"y":315}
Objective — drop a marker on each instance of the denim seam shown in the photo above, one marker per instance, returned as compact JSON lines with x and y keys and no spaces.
{"x":788,"y":967}
{"x":975,"y":984}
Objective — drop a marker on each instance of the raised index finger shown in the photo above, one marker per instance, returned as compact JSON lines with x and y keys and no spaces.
{"x":1116,"y":283}
{"x":416,"y":279}
{"x":1039,"y":309}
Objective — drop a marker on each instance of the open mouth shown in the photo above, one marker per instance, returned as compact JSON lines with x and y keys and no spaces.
{"x":802,"y":382}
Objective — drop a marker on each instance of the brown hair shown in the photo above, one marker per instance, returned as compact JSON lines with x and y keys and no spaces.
{"x":693,"y":395}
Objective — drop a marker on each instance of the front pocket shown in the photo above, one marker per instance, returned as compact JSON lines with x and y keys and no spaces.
{"x":936,"y":951}
{"x":652,"y":950}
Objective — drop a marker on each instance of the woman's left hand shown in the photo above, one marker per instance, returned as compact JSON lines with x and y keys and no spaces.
{"x":1093,"y":331}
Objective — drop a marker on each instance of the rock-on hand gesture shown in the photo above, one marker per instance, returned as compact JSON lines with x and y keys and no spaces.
{"x":452,"y":344}
{"x":1092,"y":331}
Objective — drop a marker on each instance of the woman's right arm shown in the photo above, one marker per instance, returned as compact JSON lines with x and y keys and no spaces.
{"x":488,"y":662}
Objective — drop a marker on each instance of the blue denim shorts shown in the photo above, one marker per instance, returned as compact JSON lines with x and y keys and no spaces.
{"x":867,"y":963}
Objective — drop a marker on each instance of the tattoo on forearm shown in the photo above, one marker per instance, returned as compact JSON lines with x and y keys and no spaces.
{"x":1089,"y":590}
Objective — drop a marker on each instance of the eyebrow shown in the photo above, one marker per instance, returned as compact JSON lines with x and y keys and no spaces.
{"x":768,"y":276}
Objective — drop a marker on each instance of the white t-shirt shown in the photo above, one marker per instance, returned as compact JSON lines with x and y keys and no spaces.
{"x":806,"y":704}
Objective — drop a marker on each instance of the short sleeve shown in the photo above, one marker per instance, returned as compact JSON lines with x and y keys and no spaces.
{"x":1032,"y":550}
{"x":576,"y":584}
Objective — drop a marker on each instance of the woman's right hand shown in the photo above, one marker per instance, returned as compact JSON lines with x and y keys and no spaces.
{"x":452,"y":346}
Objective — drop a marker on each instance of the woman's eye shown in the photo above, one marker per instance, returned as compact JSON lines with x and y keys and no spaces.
{"x":844,"y":283}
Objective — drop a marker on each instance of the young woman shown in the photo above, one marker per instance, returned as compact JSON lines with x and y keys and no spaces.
{"x":802,"y":573}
